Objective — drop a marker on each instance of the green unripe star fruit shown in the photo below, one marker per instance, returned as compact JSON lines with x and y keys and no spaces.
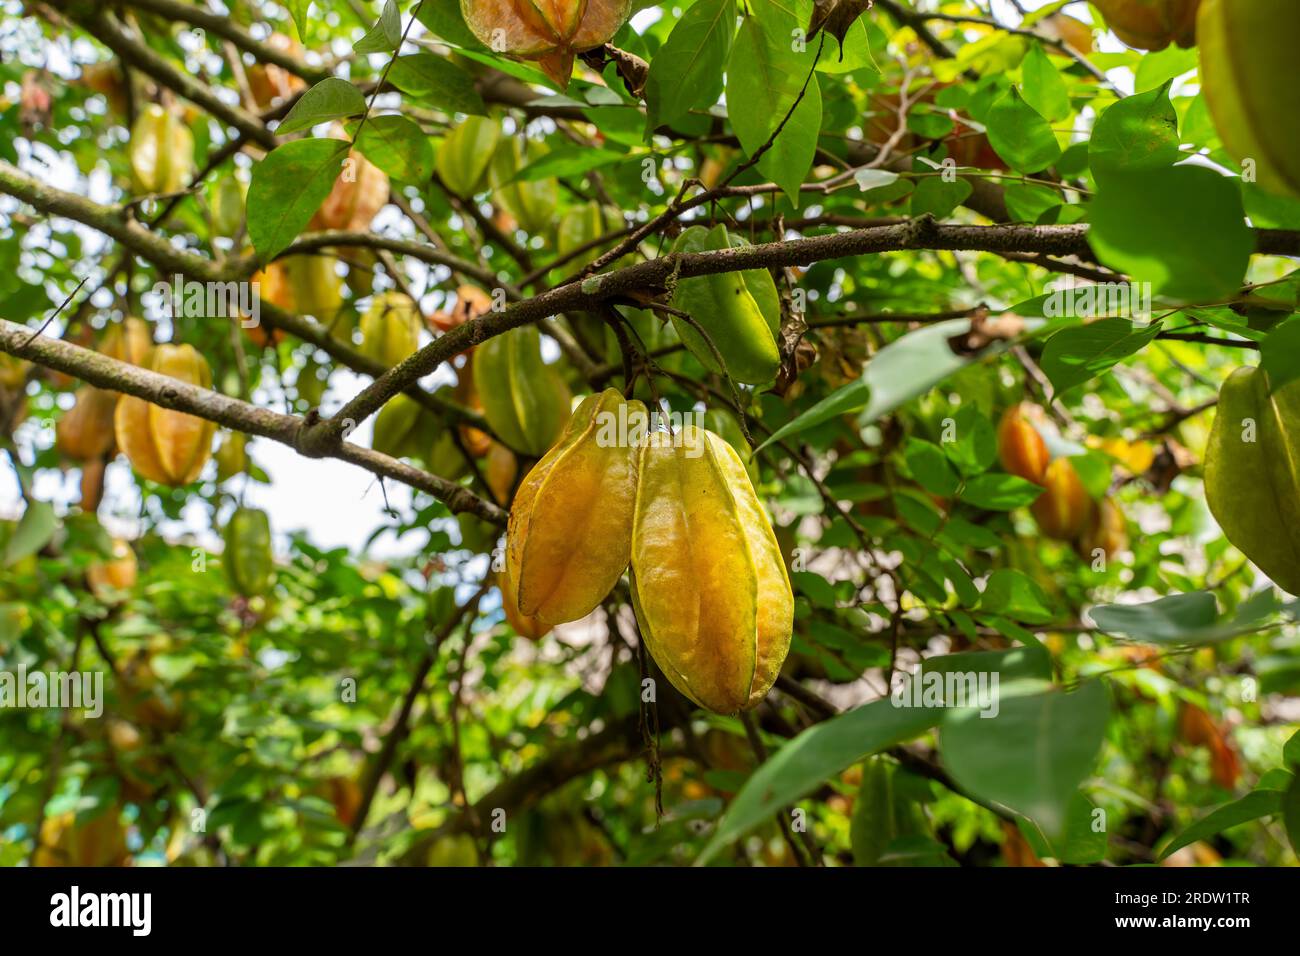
{"x":1248,"y":77}
{"x":739,"y":311}
{"x":1252,"y":472}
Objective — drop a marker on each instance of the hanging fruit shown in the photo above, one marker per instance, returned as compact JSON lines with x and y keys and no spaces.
{"x":441,"y":454}
{"x":1021,"y":448}
{"x":359,"y":192}
{"x":1247,"y":76}
{"x":270,"y":83}
{"x":67,"y":841}
{"x":528,"y":627}
{"x":161,"y":152}
{"x":476,"y":441}
{"x":85,"y":431}
{"x":723,"y":423}
{"x":1252,"y":480}
{"x":108,"y":79}
{"x":530,"y":202}
{"x":501,"y":467}
{"x":465,"y":154}
{"x":271,"y":286}
{"x":92,"y":485}
{"x":709,"y":585}
{"x":390,"y":328}
{"x":457,"y":850}
{"x":570,"y":529}
{"x":471,"y":302}
{"x":314,"y":287}
{"x":127,"y":341}
{"x":551,"y":32}
{"x":525,"y":401}
{"x":739,"y":311}
{"x":1152,"y":24}
{"x":226,"y":205}
{"x":1064,"y":508}
{"x":579,"y":227}
{"x":248,"y":560}
{"x":1106,"y":531}
{"x":232,"y":455}
{"x":117,"y":573}
{"x":164,"y":445}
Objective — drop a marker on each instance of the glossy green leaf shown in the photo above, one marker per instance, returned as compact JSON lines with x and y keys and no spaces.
{"x":1032,"y":756}
{"x":1253,"y":806}
{"x":1134,"y":134}
{"x":1076,"y":354}
{"x":825,"y":750}
{"x":330,"y":99}
{"x":1020,"y":136}
{"x":435,"y":80}
{"x":687,"y":70}
{"x":397,"y":146}
{"x":1183,"y":229}
{"x":1044,"y":90}
{"x":386,"y":34}
{"x":287,"y":188}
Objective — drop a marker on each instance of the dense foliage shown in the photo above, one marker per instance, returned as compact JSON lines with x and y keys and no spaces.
{"x":957,"y":283}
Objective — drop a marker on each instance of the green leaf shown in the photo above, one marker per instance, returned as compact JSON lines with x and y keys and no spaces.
{"x":1137,"y":133}
{"x":788,"y":161}
{"x":1032,"y":756}
{"x":287,"y":188}
{"x":813,"y":757}
{"x":1291,"y":813}
{"x":1253,"y":806}
{"x":938,"y":198}
{"x":1020,"y":136}
{"x":298,"y":11}
{"x":883,"y":813}
{"x":1157,"y":69}
{"x":1291,"y":750}
{"x":1076,"y":354}
{"x":569,"y":161}
{"x":1026,"y":202}
{"x":823,"y":751}
{"x":1182,"y":229}
{"x":437,"y":81}
{"x":444,"y":19}
{"x":1190,"y":619}
{"x":397,"y":146}
{"x":1044,"y":89}
{"x":1084,"y":842}
{"x":976,"y":442}
{"x":1016,"y":595}
{"x":687,"y":70}
{"x":330,"y":99}
{"x":845,"y":399}
{"x":902,"y":370}
{"x":386,"y":35}
{"x":929,"y":466}
{"x":1280,"y":354}
{"x":997,"y":491}
{"x":34,"y":531}
{"x":764,"y":79}
{"x":814,"y":587}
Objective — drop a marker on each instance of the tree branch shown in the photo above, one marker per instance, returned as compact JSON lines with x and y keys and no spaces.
{"x":109,"y":373}
{"x":223,"y":26}
{"x":97,"y":22}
